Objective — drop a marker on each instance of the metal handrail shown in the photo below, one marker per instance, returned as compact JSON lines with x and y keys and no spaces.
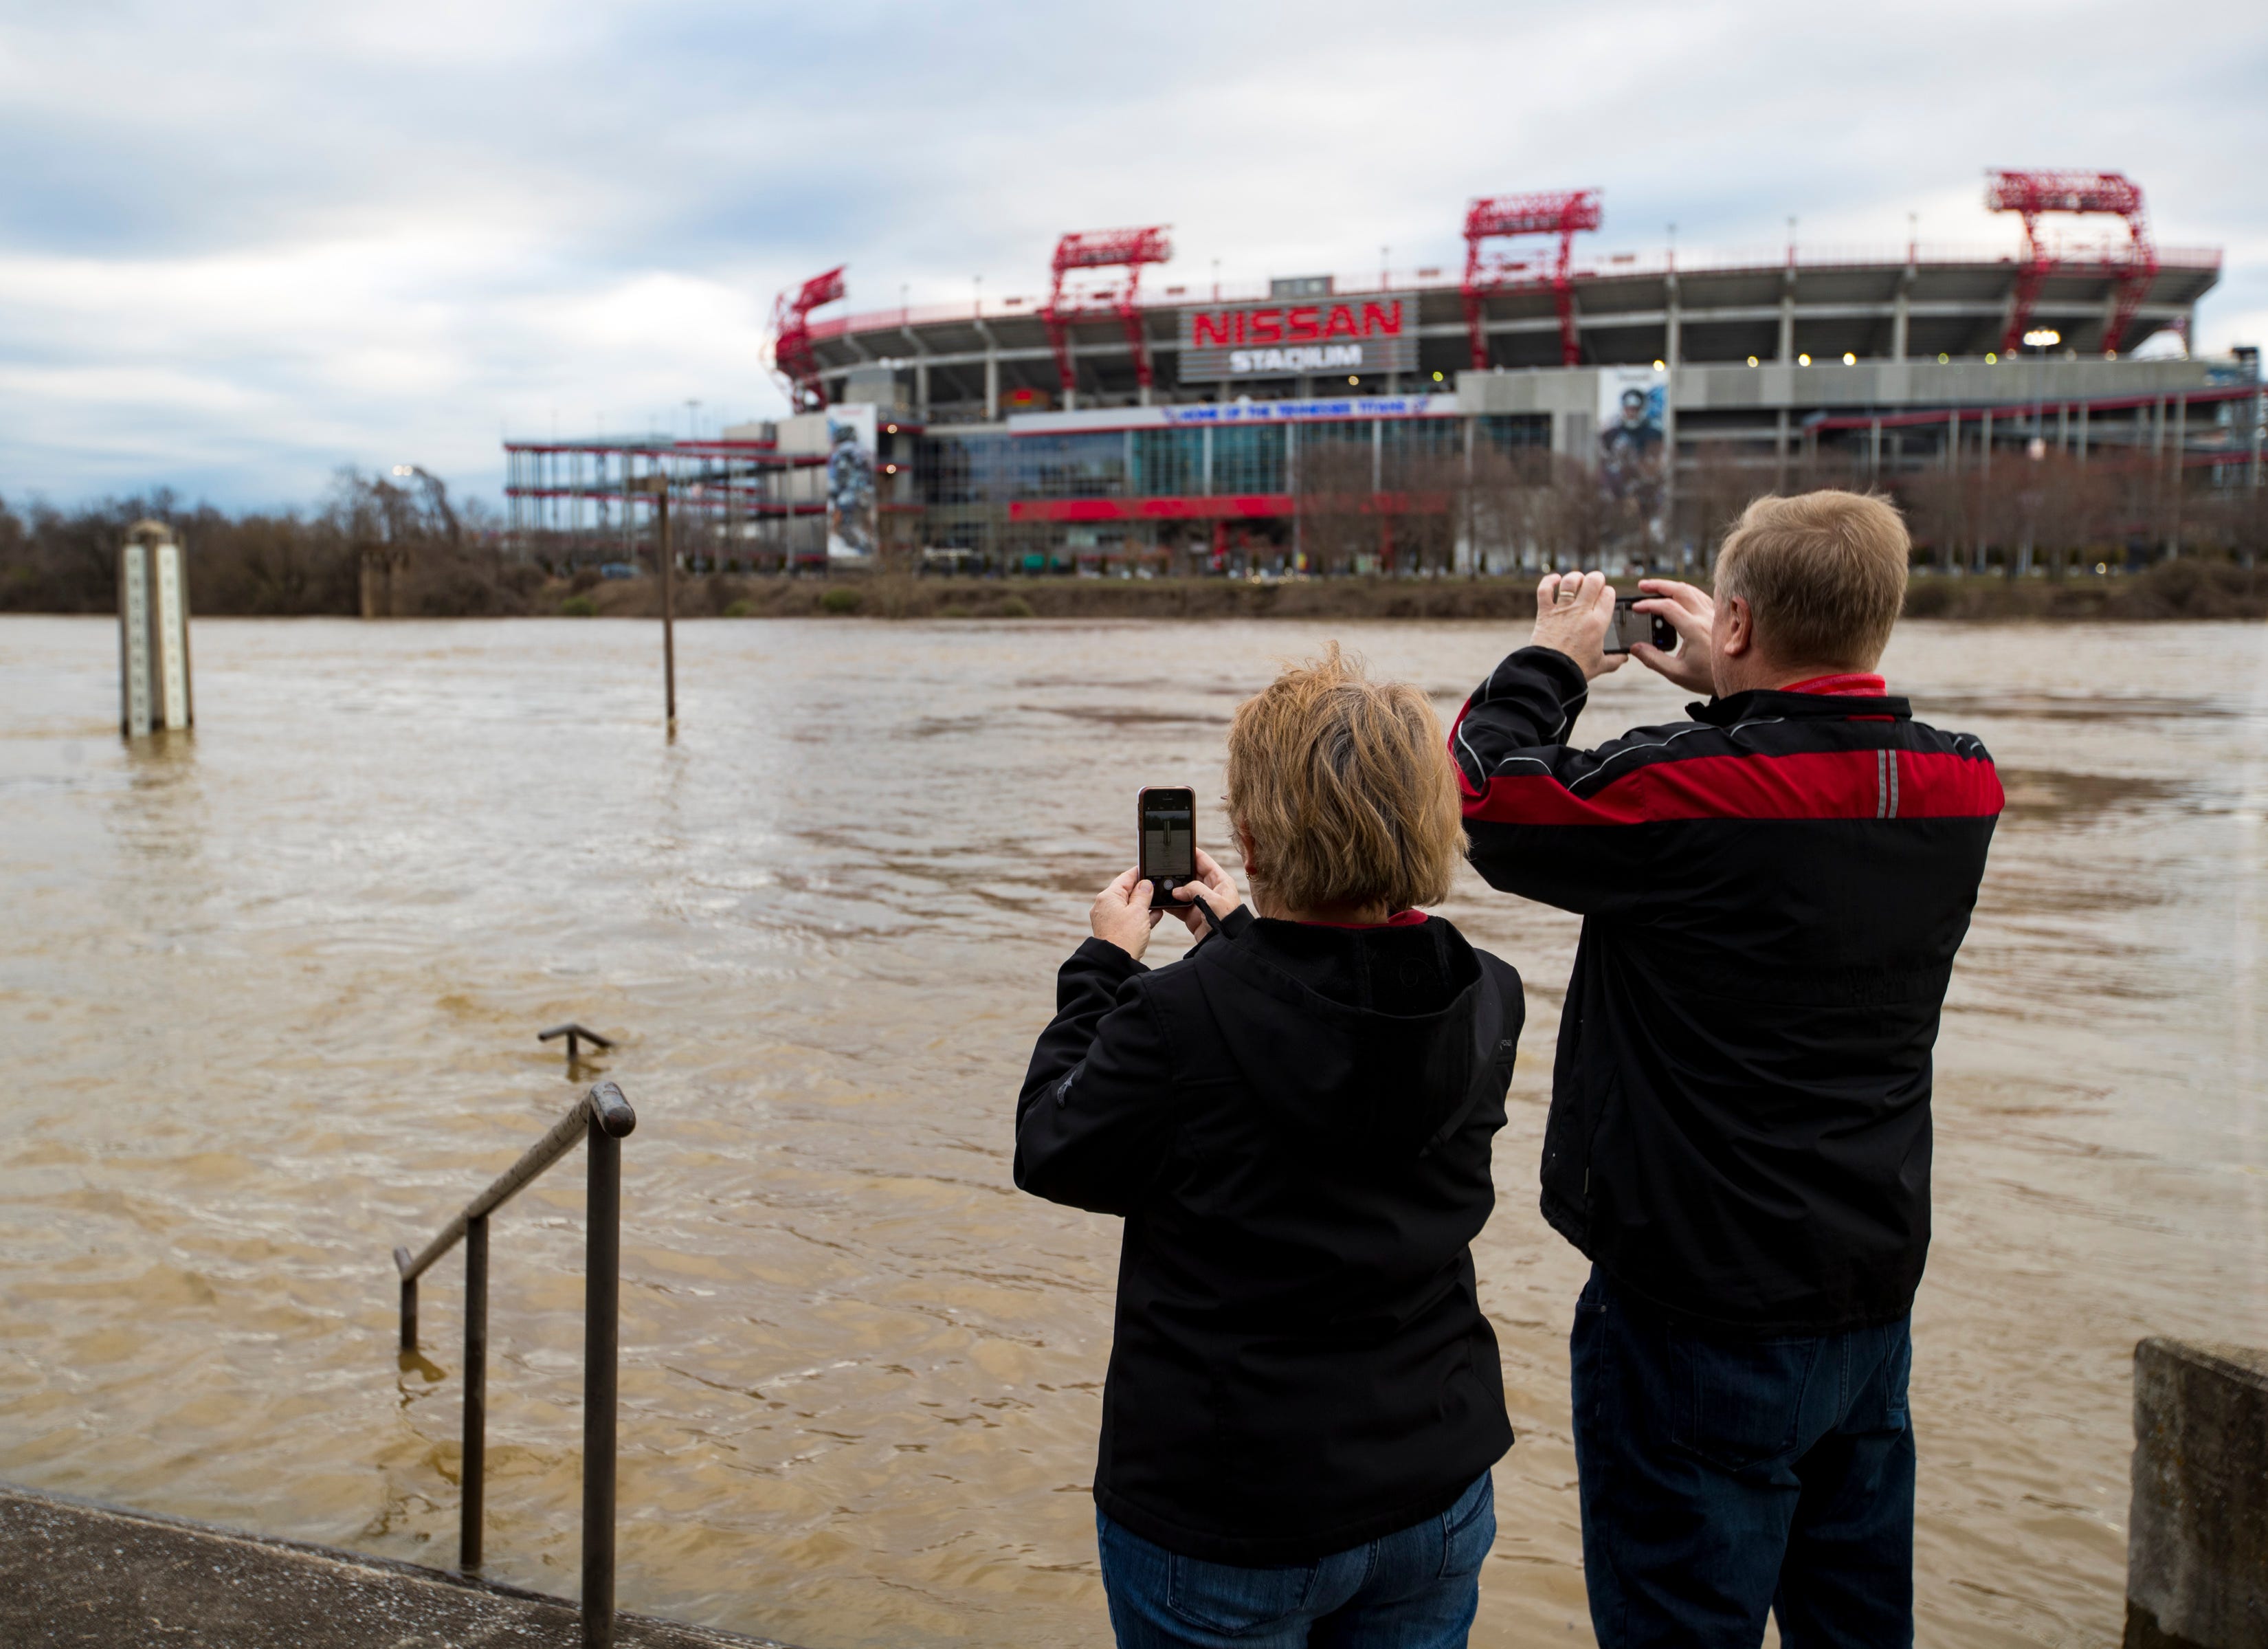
{"x":600,"y":1118}
{"x":572,"y":1032}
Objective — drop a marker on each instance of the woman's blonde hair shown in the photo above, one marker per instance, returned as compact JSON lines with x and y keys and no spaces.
{"x":1345,"y":787}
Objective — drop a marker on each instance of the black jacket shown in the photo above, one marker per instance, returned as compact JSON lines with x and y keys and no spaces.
{"x":1771,"y":897}
{"x":1295,"y":1121}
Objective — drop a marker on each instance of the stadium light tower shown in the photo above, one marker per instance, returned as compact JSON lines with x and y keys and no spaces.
{"x":1561,"y":213}
{"x":794,"y":363}
{"x":2029,"y":194}
{"x":1127,"y":249}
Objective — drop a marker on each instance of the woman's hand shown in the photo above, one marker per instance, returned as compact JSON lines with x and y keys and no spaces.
{"x":1122,"y":914}
{"x":1214,"y":885}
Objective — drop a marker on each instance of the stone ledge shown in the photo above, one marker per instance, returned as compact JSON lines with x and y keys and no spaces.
{"x":75,"y":1573}
{"x":2197,"y":1551}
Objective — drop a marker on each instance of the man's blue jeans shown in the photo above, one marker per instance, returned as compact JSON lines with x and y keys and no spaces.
{"x":1416,"y":1588}
{"x":1723,"y":1477}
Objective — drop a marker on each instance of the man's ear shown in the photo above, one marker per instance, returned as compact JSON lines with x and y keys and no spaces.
{"x":1244,"y":846}
{"x":1740,"y":628}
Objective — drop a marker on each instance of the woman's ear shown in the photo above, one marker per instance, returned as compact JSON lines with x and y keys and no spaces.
{"x":1244,"y":846}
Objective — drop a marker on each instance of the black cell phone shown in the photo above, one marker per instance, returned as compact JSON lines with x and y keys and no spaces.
{"x":1166,"y":827}
{"x":1630,"y":626}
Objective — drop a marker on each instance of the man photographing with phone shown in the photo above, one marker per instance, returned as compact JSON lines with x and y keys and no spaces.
{"x":1772,"y":894}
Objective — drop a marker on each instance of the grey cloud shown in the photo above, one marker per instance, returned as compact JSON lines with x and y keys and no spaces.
{"x":429,"y":223}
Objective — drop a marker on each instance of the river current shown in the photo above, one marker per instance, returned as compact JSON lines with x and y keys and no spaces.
{"x":270,"y":995}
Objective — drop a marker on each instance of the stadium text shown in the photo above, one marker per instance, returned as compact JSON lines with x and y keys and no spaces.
{"x":1298,"y":323}
{"x":1360,"y":336}
{"x":1336,"y":358}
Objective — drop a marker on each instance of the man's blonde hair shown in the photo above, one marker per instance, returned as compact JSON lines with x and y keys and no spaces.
{"x":1345,"y":788}
{"x":1824,"y":573}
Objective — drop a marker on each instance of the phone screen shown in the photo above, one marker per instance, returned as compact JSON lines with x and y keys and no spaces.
{"x":1169,"y":834}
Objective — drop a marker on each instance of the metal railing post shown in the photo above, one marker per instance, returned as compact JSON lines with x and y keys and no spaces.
{"x":600,"y":1119}
{"x":476,"y":1393}
{"x":601,"y":1324}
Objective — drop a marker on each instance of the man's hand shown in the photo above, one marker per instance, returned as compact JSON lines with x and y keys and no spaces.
{"x":1690,"y":613}
{"x":1122,"y":914}
{"x":1214,"y":887}
{"x":1573,"y":611}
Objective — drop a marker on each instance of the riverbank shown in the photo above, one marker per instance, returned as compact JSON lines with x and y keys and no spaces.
{"x":2186,"y":589}
{"x":73,"y":1571}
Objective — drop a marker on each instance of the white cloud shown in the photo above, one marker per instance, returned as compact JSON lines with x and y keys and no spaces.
{"x":246,"y":243}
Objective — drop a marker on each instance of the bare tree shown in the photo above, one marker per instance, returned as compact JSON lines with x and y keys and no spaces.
{"x":1332,"y":485}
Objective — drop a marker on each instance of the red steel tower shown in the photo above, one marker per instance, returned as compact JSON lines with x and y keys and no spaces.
{"x":1103,"y":249}
{"x":2109,"y":194}
{"x":793,"y":362}
{"x":1561,"y":213}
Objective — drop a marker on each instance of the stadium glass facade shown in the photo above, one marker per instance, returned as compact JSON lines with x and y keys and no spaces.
{"x":1233,"y":499}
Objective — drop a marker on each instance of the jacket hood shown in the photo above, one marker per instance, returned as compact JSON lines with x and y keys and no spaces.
{"x":1363,"y":1039}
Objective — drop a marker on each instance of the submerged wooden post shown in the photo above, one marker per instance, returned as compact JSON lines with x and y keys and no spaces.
{"x":153,"y":633}
{"x":2197,"y":1540}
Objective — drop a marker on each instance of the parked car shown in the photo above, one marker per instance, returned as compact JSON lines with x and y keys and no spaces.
{"x":617,"y":569}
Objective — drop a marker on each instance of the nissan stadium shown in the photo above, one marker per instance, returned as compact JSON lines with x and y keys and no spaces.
{"x":1121,"y":413}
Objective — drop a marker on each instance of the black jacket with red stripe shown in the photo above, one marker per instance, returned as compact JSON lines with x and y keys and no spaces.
{"x":1772,"y":894}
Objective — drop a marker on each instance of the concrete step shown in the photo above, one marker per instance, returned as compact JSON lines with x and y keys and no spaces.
{"x":75,"y":1572}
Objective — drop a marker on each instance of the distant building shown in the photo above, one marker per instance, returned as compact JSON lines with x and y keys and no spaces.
{"x":1188,"y":425}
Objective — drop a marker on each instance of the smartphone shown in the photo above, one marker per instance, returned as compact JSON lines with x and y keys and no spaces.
{"x":1166,"y":827}
{"x":1629,"y":626}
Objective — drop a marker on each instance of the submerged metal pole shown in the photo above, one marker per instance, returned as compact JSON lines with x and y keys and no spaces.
{"x":668,"y":608}
{"x":476,"y":1393}
{"x":409,"y":1299}
{"x":656,"y":486}
{"x":576,"y":1035}
{"x":602,"y":1306}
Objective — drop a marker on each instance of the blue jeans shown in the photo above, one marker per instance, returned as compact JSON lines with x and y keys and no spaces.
{"x":1723,"y":1477}
{"x":1416,"y":1588}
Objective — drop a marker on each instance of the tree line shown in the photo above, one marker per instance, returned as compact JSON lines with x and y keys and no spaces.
{"x":275,"y":562}
{"x":1515,"y":511}
{"x":1535,"y":511}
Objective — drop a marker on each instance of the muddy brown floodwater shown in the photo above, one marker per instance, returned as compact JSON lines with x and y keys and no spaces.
{"x":269,"y":999}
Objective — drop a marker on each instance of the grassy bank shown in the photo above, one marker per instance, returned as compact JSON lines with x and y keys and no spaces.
{"x":2173,"y":590}
{"x":2189,"y":589}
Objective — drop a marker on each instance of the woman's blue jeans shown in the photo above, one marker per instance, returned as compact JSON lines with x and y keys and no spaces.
{"x":1416,"y":1588}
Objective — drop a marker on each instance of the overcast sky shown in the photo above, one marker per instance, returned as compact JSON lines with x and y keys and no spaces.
{"x":243,"y":244}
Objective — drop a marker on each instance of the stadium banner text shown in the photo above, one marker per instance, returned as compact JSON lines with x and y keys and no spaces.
{"x":1292,"y":340}
{"x":1331,"y":409}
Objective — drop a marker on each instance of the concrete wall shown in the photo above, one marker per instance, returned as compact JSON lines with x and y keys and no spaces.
{"x":1569,"y":394}
{"x":1890,"y":385}
{"x":2197,"y":1543}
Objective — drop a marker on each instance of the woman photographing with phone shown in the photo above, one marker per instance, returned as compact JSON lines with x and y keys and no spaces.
{"x":1303,"y":1399}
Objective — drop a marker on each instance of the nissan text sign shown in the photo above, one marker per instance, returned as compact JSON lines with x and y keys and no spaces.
{"x":1296,"y":340}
